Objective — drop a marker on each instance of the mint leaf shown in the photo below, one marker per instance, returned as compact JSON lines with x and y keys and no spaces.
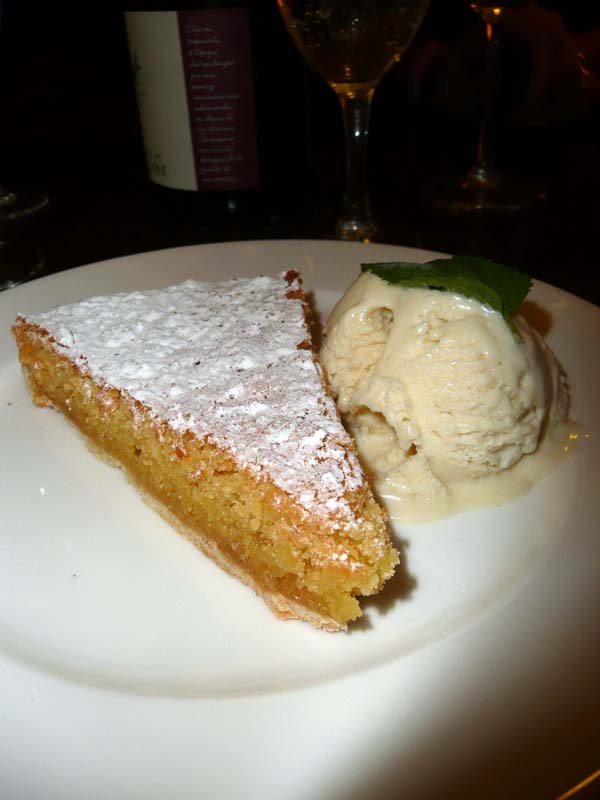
{"x":501,"y":287}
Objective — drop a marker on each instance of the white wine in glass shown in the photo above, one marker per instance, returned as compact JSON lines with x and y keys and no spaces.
{"x":352,"y":44}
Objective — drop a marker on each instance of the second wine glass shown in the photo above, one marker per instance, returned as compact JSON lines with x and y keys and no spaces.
{"x":485,"y":188}
{"x":352,"y":44}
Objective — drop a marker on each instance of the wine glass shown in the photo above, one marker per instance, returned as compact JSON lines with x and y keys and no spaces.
{"x":485,"y":187}
{"x":352,"y":44}
{"x":19,"y":260}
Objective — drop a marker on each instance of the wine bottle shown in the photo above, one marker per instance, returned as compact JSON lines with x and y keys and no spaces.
{"x":208,"y":82}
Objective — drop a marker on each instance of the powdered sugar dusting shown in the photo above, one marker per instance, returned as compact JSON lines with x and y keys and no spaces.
{"x":226,"y":362}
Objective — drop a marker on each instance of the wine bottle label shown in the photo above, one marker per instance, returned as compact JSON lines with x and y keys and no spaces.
{"x":193,"y":79}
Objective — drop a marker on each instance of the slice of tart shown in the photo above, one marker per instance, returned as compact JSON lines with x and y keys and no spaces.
{"x":211,"y":399}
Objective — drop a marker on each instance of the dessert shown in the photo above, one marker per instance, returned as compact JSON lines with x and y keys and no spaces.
{"x":210,"y":398}
{"x":439,"y":389}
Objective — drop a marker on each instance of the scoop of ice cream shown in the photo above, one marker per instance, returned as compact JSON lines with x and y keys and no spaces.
{"x":437,"y":387}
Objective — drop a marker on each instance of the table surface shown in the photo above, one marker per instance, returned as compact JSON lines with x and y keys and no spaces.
{"x":555,"y":243}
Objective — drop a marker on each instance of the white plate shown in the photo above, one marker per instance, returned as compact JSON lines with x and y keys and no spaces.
{"x":132,"y":667}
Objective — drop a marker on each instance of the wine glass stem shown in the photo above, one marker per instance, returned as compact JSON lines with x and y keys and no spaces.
{"x":356,"y":222}
{"x":486,"y":150}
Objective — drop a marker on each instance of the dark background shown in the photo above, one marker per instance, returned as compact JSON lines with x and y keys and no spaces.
{"x":70,"y":126}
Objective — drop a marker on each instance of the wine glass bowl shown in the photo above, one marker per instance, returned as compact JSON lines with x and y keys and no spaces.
{"x":347,"y":42}
{"x":352,"y":44}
